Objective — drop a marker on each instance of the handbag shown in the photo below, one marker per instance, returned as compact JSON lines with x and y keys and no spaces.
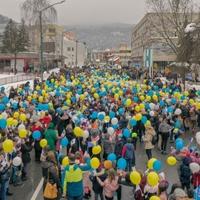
{"x":50,"y":191}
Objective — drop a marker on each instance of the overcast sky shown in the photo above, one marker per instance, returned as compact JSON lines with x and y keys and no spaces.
{"x":74,"y":12}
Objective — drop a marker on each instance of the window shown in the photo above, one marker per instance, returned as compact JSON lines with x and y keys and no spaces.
{"x":72,"y":48}
{"x":68,"y":49}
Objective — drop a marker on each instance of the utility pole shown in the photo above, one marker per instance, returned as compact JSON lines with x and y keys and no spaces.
{"x":76,"y":53}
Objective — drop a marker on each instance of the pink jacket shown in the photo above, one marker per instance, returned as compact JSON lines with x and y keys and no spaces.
{"x":109,"y":187}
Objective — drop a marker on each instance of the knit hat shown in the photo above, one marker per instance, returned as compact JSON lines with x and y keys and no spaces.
{"x":178,"y":192}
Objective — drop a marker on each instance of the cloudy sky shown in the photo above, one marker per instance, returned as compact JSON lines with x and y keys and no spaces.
{"x":74,"y":12}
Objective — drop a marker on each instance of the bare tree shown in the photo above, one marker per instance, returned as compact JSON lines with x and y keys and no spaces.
{"x":30,"y":12}
{"x":172,"y":16}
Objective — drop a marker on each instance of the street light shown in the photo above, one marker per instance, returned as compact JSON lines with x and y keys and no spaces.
{"x":41,"y":35}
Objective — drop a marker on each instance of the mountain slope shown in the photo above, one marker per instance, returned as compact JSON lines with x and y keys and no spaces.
{"x":103,"y":36}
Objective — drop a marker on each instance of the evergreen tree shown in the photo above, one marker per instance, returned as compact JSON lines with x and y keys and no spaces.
{"x":15,"y":39}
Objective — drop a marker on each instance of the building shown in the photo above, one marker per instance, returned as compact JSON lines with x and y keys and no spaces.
{"x":145,"y":36}
{"x":74,"y":51}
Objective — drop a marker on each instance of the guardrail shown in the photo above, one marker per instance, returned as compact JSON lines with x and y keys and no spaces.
{"x":16,"y":78}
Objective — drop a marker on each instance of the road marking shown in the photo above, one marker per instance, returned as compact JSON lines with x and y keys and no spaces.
{"x":39,"y":187}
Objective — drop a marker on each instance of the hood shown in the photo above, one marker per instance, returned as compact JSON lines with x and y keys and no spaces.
{"x":51,"y":126}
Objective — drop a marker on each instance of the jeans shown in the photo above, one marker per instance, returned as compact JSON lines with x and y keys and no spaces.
{"x":96,"y":195}
{"x":24,"y":170}
{"x":3,"y":190}
{"x":129,"y":164}
{"x":165,"y":137}
{"x":75,"y":198}
{"x":149,"y":153}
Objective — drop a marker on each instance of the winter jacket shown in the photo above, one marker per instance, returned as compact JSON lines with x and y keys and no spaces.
{"x":109,"y":187}
{"x":118,"y":148}
{"x":128,"y":151}
{"x":107,"y":146}
{"x":25,"y":150}
{"x":149,"y":133}
{"x":185,"y":172}
{"x":50,"y":170}
{"x":164,"y":127}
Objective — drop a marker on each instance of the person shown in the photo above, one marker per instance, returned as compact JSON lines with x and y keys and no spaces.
{"x":50,"y":172}
{"x":164,"y":129}
{"x":26,"y":148}
{"x":73,"y":181}
{"x":185,"y":173}
{"x":118,"y":147}
{"x":180,"y":194}
{"x":110,"y":185}
{"x":107,"y":146}
{"x":148,"y":137}
{"x":51,"y":136}
{"x":162,"y":190}
{"x":129,"y":154}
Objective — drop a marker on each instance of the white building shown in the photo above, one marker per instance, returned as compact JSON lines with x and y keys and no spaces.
{"x":74,"y":52}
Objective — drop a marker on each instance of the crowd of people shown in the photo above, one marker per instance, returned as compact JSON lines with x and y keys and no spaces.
{"x":84,"y":129}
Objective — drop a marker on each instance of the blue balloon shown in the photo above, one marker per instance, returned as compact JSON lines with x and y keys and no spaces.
{"x":15,"y":105}
{"x":179,"y":144}
{"x":170,"y":109}
{"x":173,"y":101}
{"x":178,"y":124}
{"x":112,"y":157}
{"x":101,"y":117}
{"x":64,"y":142}
{"x":36,"y":135}
{"x":144,"y":119}
{"x":162,"y":103}
{"x":132,"y":122}
{"x":116,"y":126}
{"x":94,"y":115}
{"x":121,"y":164}
{"x":111,"y":114}
{"x":121,"y":111}
{"x":73,"y":99}
{"x":135,"y":99}
{"x":157,"y":165}
{"x":2,"y":107}
{"x":126,"y":133}
{"x":3,"y":123}
{"x":5,"y":100}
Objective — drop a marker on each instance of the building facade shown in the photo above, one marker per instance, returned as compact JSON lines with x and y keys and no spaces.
{"x":145,"y":36}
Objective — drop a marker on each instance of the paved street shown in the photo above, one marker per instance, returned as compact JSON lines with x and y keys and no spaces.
{"x":26,"y":191}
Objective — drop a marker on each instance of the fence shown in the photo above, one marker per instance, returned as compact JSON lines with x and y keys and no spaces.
{"x":16,"y":78}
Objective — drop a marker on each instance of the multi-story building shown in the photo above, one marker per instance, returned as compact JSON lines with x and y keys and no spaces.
{"x":145,"y":36}
{"x":74,"y":51}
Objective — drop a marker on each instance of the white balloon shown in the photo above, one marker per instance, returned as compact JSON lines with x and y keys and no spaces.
{"x":194,"y":167}
{"x":197,"y":135}
{"x":152,"y":106}
{"x":17,"y":161}
{"x":4,"y":115}
{"x":21,"y":126}
{"x":157,"y":107}
{"x":198,"y":140}
{"x":85,"y":134}
{"x":114,"y":121}
{"x":151,"y":113}
{"x":178,"y":111}
{"x":110,"y":130}
{"x":28,"y":115}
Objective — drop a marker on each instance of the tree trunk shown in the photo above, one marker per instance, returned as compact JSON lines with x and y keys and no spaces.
{"x":15,"y":64}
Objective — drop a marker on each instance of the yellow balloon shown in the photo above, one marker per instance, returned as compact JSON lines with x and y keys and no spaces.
{"x":43,"y":143}
{"x":94,"y":162}
{"x":148,"y":98}
{"x":128,"y":102}
{"x":138,"y":117}
{"x":96,"y":96}
{"x":22,"y":133}
{"x":78,"y":132}
{"x":155,"y":98}
{"x":150,"y":163}
{"x":152,"y":179}
{"x":171,"y":160}
{"x":68,"y":101}
{"x":142,"y":106}
{"x":10,"y":121}
{"x":154,"y":198}
{"x":65,"y":161}
{"x":116,"y":96}
{"x":137,"y":108}
{"x":107,"y":119}
{"x":37,"y":87}
{"x":191,"y":101}
{"x":8,"y":146}
{"x":15,"y":122}
{"x":142,"y":98}
{"x":35,"y":96}
{"x":186,"y":93}
{"x":16,"y":115}
{"x":40,"y":99}
{"x":96,"y":150}
{"x":82,"y":97}
{"x":22,"y":117}
{"x":135,"y":177}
